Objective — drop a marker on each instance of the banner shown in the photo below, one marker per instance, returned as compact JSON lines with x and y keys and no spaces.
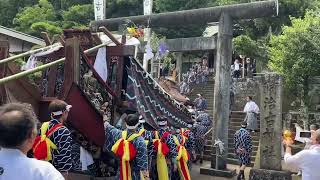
{"x":147,"y":10}
{"x":99,"y":9}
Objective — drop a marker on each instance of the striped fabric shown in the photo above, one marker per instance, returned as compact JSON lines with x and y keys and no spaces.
{"x":62,"y":158}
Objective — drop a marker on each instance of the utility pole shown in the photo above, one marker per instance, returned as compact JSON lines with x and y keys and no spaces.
{"x":147,"y":10}
{"x":99,"y":9}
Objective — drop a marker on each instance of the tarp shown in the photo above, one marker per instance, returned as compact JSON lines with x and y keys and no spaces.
{"x":151,"y":100}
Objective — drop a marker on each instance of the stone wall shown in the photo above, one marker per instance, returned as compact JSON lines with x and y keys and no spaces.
{"x":243,"y":88}
{"x":249,"y":87}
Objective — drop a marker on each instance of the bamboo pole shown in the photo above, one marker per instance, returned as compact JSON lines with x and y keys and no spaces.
{"x":42,"y":67}
{"x":25,"y":54}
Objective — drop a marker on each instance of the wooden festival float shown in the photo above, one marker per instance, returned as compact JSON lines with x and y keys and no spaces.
{"x":68,"y":73}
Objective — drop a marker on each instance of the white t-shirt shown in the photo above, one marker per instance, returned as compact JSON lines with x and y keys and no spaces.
{"x":14,"y":165}
{"x":236,"y":66}
{"x":251,"y":107}
{"x":307,"y":160}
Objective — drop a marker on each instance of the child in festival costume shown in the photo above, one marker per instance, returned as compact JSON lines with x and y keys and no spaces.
{"x":164,"y":157}
{"x":130,"y":147}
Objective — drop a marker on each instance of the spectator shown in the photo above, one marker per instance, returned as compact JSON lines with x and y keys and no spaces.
{"x":17,"y":134}
{"x":243,"y":148}
{"x":307,"y":160}
{"x":252,"y":111}
{"x":237,"y":71}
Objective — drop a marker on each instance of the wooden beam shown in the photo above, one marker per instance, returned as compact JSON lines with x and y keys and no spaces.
{"x":4,"y":53}
{"x":72,"y":65}
{"x":110,"y":35}
{"x":195,"y":16}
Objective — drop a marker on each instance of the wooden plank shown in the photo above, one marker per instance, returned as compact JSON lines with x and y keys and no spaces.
{"x":4,"y":53}
{"x":72,"y":65}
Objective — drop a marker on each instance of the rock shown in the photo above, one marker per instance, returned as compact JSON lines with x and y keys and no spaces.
{"x":265,"y":174}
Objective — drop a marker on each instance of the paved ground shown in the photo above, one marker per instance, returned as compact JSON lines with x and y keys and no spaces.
{"x":195,"y":173}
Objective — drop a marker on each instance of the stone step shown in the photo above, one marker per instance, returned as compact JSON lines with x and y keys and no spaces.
{"x":209,"y":149}
{"x":230,"y":148}
{"x":255,"y":142}
{"x":237,"y":127}
{"x":234,"y":156}
{"x":234,"y":122}
{"x":231,"y":143}
{"x":234,"y":161}
{"x":232,"y":131}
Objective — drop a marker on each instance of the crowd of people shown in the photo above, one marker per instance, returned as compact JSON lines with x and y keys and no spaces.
{"x":197,"y":74}
{"x":164,"y":153}
{"x":47,"y":150}
{"x":248,"y":67}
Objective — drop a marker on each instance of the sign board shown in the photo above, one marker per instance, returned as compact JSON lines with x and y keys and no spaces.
{"x":99,"y":9}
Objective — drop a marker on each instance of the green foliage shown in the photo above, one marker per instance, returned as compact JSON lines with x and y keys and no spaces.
{"x":81,"y":14}
{"x":41,"y":12}
{"x":244,"y":45}
{"x":123,"y":8}
{"x":176,"y":5}
{"x":44,"y":17}
{"x":181,"y":31}
{"x":9,"y":9}
{"x":295,"y":53}
{"x":155,"y":41}
{"x":51,"y":28}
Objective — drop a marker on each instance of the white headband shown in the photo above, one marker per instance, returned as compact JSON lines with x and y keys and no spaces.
{"x":162,"y":123}
{"x":58,"y":113}
{"x":133,"y":127}
{"x":141,"y":120}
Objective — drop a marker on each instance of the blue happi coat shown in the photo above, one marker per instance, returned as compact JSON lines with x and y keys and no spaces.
{"x":140,"y":162}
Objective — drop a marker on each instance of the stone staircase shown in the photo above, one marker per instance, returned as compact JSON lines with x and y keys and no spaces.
{"x":207,"y":93}
{"x":235,"y":122}
{"x":236,"y":118}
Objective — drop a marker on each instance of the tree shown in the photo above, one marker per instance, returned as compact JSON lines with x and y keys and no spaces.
{"x":244,"y":45}
{"x":295,"y":54}
{"x":42,"y":12}
{"x":177,"y":5}
{"x":187,"y":30}
{"x":9,"y":9}
{"x":78,"y":16}
{"x":122,"y":8}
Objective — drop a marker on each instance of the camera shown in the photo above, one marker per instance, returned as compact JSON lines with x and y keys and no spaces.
{"x":305,"y":134}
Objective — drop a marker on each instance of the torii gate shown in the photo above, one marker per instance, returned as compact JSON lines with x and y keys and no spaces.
{"x":225,"y":15}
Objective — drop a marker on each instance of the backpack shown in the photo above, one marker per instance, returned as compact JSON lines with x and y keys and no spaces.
{"x":43,"y":145}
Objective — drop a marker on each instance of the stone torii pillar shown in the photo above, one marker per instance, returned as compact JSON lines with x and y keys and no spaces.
{"x":225,"y":15}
